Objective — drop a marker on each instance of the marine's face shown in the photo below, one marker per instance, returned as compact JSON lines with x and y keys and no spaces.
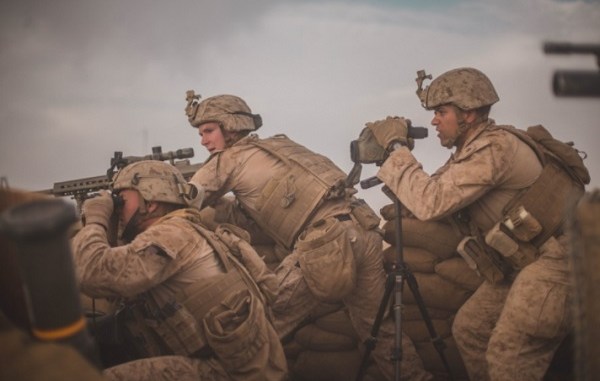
{"x":131,"y":203}
{"x":211,"y":137}
{"x":446,"y":124}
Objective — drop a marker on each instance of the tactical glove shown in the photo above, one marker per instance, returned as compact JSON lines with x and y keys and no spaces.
{"x":366,"y":149}
{"x":389,"y":131}
{"x":98,"y":209}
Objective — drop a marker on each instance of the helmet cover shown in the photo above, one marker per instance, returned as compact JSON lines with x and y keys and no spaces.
{"x":229,"y":111}
{"x":466,"y":88}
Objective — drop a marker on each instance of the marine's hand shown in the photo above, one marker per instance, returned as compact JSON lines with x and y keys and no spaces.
{"x":98,"y":209}
{"x":392,"y":129}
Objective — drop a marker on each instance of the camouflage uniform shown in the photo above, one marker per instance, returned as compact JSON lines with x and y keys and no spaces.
{"x":167,"y":368}
{"x":507,"y":331}
{"x":246,"y":170}
{"x":156,"y":267}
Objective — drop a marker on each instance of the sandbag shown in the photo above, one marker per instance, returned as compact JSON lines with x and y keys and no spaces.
{"x":338,"y":322}
{"x":437,"y":292}
{"x":313,"y":338}
{"x":436,"y":237}
{"x":457,"y":271}
{"x":415,"y":258}
{"x":412,"y":312}
{"x":432,"y":361}
{"x":417,"y":329}
{"x":320,"y":366}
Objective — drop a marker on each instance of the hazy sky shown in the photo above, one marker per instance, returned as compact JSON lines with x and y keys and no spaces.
{"x":82,"y":79}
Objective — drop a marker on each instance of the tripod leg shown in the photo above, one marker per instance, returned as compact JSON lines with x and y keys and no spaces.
{"x":436,"y":340}
{"x":371,"y":342}
{"x":397,"y":308}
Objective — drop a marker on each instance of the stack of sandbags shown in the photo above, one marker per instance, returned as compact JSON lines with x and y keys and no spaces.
{"x":327,"y":349}
{"x":443,"y":281}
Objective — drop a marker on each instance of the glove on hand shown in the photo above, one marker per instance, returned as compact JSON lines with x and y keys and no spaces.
{"x":98,"y":209}
{"x":391,"y":130}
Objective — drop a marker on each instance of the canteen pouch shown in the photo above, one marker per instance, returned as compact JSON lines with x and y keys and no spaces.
{"x":327,"y":260}
{"x":486,"y":263}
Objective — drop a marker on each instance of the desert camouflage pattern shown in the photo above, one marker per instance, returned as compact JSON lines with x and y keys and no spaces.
{"x":253,"y":174}
{"x":230,"y":111}
{"x":246,"y":170}
{"x":508,"y":331}
{"x":155,"y":180}
{"x":466,"y":88}
{"x":162,"y":262}
{"x":168,"y":368}
{"x":164,"y":258}
{"x":526,"y":320}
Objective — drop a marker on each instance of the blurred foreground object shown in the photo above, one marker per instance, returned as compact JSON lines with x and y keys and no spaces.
{"x":575,"y":83}
{"x":586,"y":270}
{"x":35,"y":246}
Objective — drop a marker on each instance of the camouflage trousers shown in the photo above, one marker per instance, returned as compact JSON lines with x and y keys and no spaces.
{"x":295,"y":303}
{"x":511,"y":331}
{"x":167,"y":368}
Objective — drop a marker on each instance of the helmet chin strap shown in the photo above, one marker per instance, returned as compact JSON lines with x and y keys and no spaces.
{"x":463,"y":126}
{"x":133,"y":226}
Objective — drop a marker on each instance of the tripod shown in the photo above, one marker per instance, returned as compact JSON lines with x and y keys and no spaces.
{"x":395,"y":282}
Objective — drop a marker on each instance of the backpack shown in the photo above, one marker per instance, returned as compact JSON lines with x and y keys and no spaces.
{"x":570,"y":158}
{"x":559,"y":187}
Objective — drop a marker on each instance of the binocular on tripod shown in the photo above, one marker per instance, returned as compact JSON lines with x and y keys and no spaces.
{"x":366,"y":150}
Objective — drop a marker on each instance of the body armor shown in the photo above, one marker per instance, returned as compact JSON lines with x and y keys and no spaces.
{"x":181,"y":322}
{"x":288,"y":202}
{"x":534,"y":215}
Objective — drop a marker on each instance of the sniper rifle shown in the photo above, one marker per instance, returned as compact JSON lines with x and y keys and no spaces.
{"x":81,"y":189}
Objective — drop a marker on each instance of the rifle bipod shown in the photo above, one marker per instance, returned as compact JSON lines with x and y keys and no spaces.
{"x":395,"y":282}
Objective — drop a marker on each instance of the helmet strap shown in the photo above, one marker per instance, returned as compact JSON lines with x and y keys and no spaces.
{"x":463,"y":126}
{"x":133,"y":226}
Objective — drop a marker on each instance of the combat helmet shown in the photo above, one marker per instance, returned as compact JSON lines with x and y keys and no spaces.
{"x":229,"y":111}
{"x":156,"y":181}
{"x":465,"y":87}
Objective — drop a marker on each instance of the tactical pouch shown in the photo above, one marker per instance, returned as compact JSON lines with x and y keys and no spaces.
{"x":178,"y":329}
{"x":486,"y":262}
{"x":363,"y":213}
{"x":522,"y":224}
{"x":236,"y":330}
{"x":517,"y":252}
{"x":327,"y":260}
{"x":552,"y":195}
